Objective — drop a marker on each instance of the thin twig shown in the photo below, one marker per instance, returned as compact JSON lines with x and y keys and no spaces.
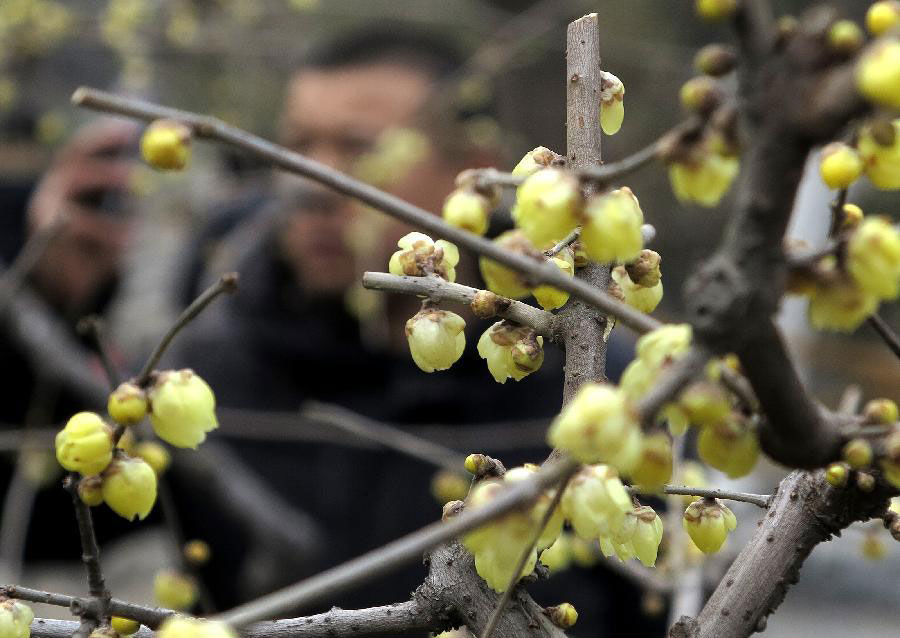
{"x":90,"y":551}
{"x":92,"y":327}
{"x":212,"y":128}
{"x":149,"y":616}
{"x":520,"y":565}
{"x":226,"y":283}
{"x":441,"y":290}
{"x":837,"y":209}
{"x":568,"y":240}
{"x":399,"y":552}
{"x":760,"y":500}
{"x":387,"y":435}
{"x":884,"y":331}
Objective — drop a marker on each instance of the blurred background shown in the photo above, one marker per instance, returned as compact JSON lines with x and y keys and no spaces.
{"x":234,"y":59}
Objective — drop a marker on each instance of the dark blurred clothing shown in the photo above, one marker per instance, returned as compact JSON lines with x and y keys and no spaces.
{"x":269,"y":348}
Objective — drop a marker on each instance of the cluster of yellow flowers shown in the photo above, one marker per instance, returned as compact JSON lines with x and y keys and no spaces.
{"x":15,"y":619}
{"x":124,"y":476}
{"x":843,"y":292}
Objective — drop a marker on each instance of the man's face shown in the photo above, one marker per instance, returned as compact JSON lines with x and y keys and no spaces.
{"x":334,"y":116}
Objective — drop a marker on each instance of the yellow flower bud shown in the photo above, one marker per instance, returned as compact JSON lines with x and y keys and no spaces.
{"x":840,"y":165}
{"x":124,"y":626}
{"x":85,"y":444}
{"x":558,"y":556}
{"x":598,"y":424}
{"x":858,"y":453}
{"x":845,"y":36}
{"x":612,"y":103}
{"x":647,"y":535}
{"x":880,"y":411}
{"x":705,"y":403}
{"x":552,"y":298}
{"x":154,"y":454}
{"x":699,"y":94}
{"x":127,"y":405}
{"x":511,"y":351}
{"x":436,"y":339}
{"x":664,"y":344}
{"x":882,"y":161}
{"x":547,"y":206}
{"x":715,"y":60}
{"x":891,"y":472}
{"x":729,"y":446}
{"x":15,"y":619}
{"x":467,"y":209}
{"x":175,"y":590}
{"x":448,"y":486}
{"x":654,"y":468}
{"x":852,"y":215}
{"x":90,"y":490}
{"x":708,"y":523}
{"x":563,"y":615}
{"x":127,"y":442}
{"x":500,"y":279}
{"x":878,"y":73}
{"x":715,"y":9}
{"x":612,"y":230}
{"x":129,"y":487}
{"x":596,"y":503}
{"x":533,"y":161}
{"x":419,"y":256}
{"x":642,"y":298}
{"x":704,"y":178}
{"x":184,"y":627}
{"x":840,"y":305}
{"x":873,"y":258}
{"x":196,"y":552}
{"x":883,"y":16}
{"x":837,"y":474}
{"x":182,"y":408}
{"x":165,"y":145}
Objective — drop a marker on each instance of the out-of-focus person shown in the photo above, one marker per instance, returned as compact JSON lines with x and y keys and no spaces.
{"x":287,"y":335}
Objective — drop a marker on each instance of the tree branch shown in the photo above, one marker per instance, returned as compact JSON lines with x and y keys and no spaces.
{"x":441,"y":290}
{"x":760,"y":500}
{"x":90,"y":553}
{"x":212,"y":128}
{"x":884,"y":331}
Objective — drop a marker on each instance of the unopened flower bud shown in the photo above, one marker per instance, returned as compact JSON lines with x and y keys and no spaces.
{"x":448,"y":486}
{"x":436,"y":339}
{"x":183,"y":626}
{"x":500,"y":279}
{"x":15,"y":619}
{"x":700,"y":94}
{"x":596,"y":504}
{"x":837,"y":474}
{"x":858,"y":453}
{"x":129,"y":487}
{"x":127,"y":405}
{"x":840,"y":305}
{"x":730,"y":446}
{"x":708,"y":523}
{"x":85,"y":444}
{"x":705,"y":403}
{"x":654,"y":468}
{"x":642,"y":298}
{"x":175,"y":590}
{"x":196,"y":552}
{"x":880,"y":411}
{"x":715,"y":9}
{"x":879,"y":147}
{"x":486,"y":304}
{"x":124,"y":626}
{"x":647,"y":535}
{"x":878,"y":73}
{"x":845,"y":37}
{"x":840,"y":165}
{"x":154,"y":454}
{"x":865,"y":482}
{"x":851,"y":216}
{"x":547,"y":206}
{"x":467,"y":209}
{"x":612,"y":103}
{"x":883,"y":16}
{"x":873,"y":257}
{"x":612,"y":231}
{"x":563,"y":615}
{"x":166,"y":145}
{"x":182,"y":408}
{"x":534,"y":160}
{"x":704,"y":176}
{"x":715,"y":60}
{"x":551,"y":298}
{"x":644,"y":271}
{"x":90,"y":490}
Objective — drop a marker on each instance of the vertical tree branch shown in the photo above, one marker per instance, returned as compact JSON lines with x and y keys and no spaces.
{"x":585,"y":327}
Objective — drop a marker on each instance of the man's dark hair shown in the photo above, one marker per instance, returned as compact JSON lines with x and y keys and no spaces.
{"x":433,"y":53}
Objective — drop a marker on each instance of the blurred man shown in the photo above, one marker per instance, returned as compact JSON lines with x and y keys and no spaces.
{"x":287,"y":337}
